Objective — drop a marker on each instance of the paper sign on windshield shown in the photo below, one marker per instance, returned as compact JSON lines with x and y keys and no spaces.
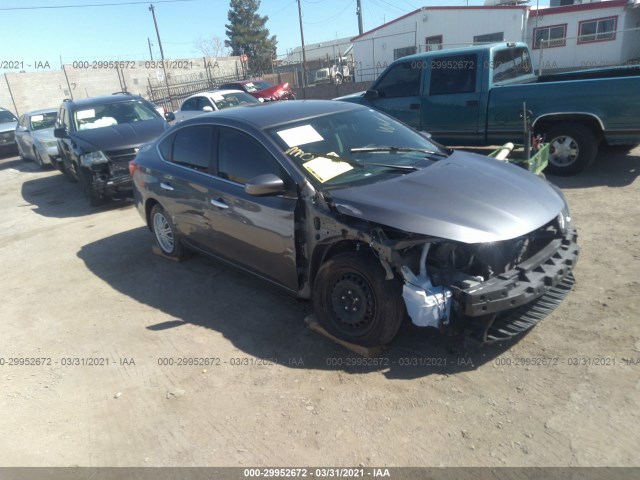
{"x":324,"y":169}
{"x":84,"y":114}
{"x":37,"y":118}
{"x":294,"y":137}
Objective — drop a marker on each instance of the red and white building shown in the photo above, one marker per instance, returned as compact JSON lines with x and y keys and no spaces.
{"x":571,"y":36}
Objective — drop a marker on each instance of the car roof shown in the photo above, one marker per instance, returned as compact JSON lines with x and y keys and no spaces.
{"x":102,"y":100}
{"x":40,"y":111}
{"x":269,"y":114}
{"x":211,"y":93}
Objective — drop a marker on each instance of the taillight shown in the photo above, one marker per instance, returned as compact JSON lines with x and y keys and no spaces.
{"x":133,"y":166}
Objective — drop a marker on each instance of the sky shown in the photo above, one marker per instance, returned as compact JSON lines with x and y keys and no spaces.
{"x":38,"y":34}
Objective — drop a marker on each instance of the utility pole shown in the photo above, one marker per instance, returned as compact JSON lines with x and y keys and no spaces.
{"x":359,"y":13}
{"x":304,"y":54}
{"x":150,"y":51}
{"x":152,"y":9}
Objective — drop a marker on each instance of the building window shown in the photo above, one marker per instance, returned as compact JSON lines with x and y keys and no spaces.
{"x":403,"y":52}
{"x":553,"y":36}
{"x":433,"y":43}
{"x":598,"y":30}
{"x":488,"y":38}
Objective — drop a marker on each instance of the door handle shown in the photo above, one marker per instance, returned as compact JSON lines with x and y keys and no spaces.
{"x":414,"y":106}
{"x":218,"y":204}
{"x":472,"y":103}
{"x":166,"y":186}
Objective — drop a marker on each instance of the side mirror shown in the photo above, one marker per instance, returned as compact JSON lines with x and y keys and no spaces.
{"x":60,"y":132}
{"x":267,"y":184}
{"x":207,"y":108}
{"x":371,"y":94}
{"x":21,"y":129}
{"x":169,"y":116}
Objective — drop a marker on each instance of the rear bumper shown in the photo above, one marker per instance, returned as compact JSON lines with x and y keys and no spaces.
{"x":528,"y":281}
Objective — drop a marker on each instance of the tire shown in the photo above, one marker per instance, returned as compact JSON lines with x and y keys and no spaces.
{"x":338,"y":80}
{"x":86,"y":181}
{"x":69,"y":170}
{"x":39,"y":160}
{"x":355,"y":303}
{"x":165,"y":233}
{"x":573,"y":148}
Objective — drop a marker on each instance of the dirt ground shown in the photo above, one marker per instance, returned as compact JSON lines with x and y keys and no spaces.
{"x":113,"y":326}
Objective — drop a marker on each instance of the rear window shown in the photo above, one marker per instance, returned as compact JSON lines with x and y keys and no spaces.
{"x":511,"y":63}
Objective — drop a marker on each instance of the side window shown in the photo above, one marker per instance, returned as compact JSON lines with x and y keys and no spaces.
{"x":166,"y":147}
{"x":455,"y":74}
{"x":204,"y":102}
{"x":22,"y":121}
{"x":241,"y":157}
{"x":190,"y":105}
{"x":401,"y":80}
{"x":192,"y":147}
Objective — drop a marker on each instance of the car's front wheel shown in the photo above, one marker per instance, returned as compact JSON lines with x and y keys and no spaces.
{"x":355,"y":303}
{"x":165,"y":233}
{"x":86,"y":180}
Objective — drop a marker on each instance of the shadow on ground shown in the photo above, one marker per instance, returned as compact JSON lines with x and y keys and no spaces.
{"x":258,"y":319}
{"x":54,"y":196}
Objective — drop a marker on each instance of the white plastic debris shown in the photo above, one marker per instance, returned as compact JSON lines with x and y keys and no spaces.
{"x":428,"y":306}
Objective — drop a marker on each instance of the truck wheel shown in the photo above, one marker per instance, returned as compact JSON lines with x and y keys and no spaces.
{"x":355,"y":303}
{"x":573,"y":148}
{"x":338,"y":79}
{"x":86,"y":180}
{"x":165,"y":232}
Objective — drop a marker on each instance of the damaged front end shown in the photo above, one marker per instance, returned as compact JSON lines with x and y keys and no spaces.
{"x":497,"y":289}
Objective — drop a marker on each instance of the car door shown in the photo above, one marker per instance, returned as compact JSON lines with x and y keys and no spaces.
{"x":64,"y":144}
{"x":183,"y":184}
{"x":188,"y":109}
{"x":398,"y":92}
{"x":254,"y":232}
{"x":451,"y":104}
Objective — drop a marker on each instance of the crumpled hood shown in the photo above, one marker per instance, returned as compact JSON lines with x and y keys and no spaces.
{"x":8,"y":126}
{"x":467,"y":198}
{"x":116,"y":137}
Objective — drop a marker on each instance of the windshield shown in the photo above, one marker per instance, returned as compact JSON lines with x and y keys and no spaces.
{"x":99,"y":116}
{"x":6,"y":117}
{"x":327,"y":148}
{"x":43,"y":120}
{"x":227,"y":100}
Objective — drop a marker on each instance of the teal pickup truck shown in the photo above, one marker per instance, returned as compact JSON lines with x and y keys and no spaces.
{"x":474,"y":96}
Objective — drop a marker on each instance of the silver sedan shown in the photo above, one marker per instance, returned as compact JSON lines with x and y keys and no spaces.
{"x":34,"y":137}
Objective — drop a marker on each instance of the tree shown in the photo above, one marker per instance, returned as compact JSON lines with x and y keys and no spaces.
{"x":213,"y":46}
{"x":247,"y":34}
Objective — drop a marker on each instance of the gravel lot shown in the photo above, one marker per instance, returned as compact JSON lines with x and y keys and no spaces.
{"x":83,"y":292}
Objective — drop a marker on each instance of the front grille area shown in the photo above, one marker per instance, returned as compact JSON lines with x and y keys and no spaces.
{"x":120,"y":160}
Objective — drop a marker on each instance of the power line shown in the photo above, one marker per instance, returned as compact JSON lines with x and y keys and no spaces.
{"x":54,"y":7}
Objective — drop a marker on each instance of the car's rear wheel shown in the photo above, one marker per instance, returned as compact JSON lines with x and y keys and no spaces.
{"x":165,"y":233}
{"x":355,"y":303}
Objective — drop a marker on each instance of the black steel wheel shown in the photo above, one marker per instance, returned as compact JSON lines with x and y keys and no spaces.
{"x":165,"y":233}
{"x":355,"y":303}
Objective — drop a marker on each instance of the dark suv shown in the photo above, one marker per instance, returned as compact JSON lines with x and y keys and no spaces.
{"x":98,"y":136}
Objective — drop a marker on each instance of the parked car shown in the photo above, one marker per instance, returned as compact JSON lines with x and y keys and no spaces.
{"x":262,"y":90}
{"x":8,"y":122}
{"x":475,"y":95}
{"x":98,"y":136}
{"x":344,"y":205}
{"x":210,"y":102}
{"x":34,"y":137}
